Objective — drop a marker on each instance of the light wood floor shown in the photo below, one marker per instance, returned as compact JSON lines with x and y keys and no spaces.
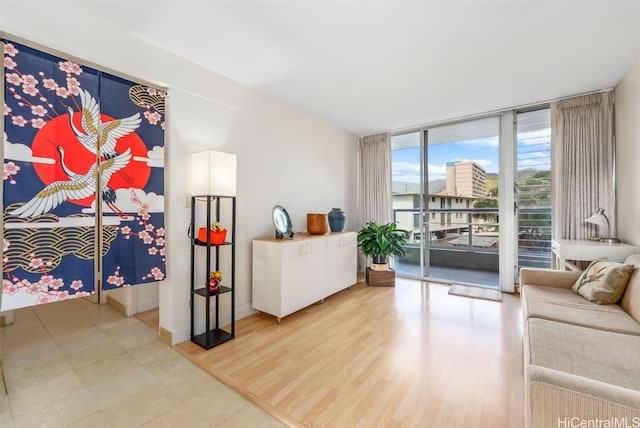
{"x":150,"y":318}
{"x":410,"y":356}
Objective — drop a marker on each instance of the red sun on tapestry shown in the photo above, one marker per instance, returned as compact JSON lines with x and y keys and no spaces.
{"x":58,"y":133}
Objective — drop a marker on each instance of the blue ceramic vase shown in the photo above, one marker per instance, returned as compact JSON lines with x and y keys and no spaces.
{"x":337,"y":219}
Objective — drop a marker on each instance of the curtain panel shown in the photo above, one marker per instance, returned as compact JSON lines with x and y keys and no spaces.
{"x":374,"y":182}
{"x":583,"y":158}
{"x":83,"y":180}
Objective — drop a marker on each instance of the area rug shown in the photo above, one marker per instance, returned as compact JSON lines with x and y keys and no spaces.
{"x":475,"y":292}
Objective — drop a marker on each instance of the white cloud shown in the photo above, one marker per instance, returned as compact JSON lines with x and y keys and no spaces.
{"x":527,"y":162}
{"x":156,"y":153}
{"x":155,"y":157}
{"x":126,"y":205}
{"x":437,"y":172}
{"x":405,"y":168}
{"x":541,"y":163}
{"x":124,"y":202}
{"x":490,"y":142}
{"x":437,"y":169}
{"x":534,"y":137}
{"x":406,"y":172}
{"x":20,"y":152}
{"x":538,"y":155}
{"x":485,"y":163}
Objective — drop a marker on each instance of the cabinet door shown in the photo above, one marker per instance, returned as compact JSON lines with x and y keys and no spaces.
{"x":266,"y":283}
{"x":303,"y":273}
{"x":341,"y":261}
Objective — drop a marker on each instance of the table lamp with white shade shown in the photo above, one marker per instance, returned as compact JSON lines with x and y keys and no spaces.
{"x":601,"y":219}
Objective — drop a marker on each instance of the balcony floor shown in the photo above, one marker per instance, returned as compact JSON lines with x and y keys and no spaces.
{"x":448,"y":274}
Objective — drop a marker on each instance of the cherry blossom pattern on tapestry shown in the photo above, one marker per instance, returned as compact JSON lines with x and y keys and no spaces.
{"x":71,"y":132}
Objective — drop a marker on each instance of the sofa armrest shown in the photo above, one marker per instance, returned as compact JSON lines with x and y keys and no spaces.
{"x":552,"y":396}
{"x":548,"y":277}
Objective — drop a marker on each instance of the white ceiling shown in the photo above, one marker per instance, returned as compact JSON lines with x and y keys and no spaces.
{"x":388,"y":65}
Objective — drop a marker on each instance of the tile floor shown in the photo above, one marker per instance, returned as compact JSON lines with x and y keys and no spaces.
{"x":79,"y":364}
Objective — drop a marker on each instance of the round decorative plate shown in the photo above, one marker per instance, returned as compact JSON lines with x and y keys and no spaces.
{"x":282,"y":221}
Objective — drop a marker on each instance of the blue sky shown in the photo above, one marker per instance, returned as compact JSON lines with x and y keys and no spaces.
{"x":484,"y":151}
{"x":406,"y":162}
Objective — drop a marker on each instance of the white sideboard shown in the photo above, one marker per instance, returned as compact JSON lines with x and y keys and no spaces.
{"x":290,"y":274}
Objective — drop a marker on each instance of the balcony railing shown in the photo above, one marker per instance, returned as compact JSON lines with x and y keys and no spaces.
{"x":454,"y":227}
{"x":534,"y":236}
{"x":470,"y":236}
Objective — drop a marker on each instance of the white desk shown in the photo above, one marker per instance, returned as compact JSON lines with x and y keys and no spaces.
{"x":572,"y":249}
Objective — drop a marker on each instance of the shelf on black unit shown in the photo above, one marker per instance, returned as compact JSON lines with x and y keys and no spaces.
{"x":216,"y":337}
{"x":205,"y":292}
{"x":204,"y":243}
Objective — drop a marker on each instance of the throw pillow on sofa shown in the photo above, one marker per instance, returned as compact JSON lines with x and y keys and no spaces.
{"x":603,"y":282}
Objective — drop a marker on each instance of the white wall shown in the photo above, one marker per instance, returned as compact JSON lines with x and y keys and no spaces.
{"x":627,"y":104}
{"x":284,"y":155}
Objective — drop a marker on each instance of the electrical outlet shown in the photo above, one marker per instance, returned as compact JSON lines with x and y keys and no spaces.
{"x":187,"y":200}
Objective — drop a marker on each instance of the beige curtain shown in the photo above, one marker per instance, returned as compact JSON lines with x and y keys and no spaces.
{"x":374,"y":182}
{"x":583,"y":157}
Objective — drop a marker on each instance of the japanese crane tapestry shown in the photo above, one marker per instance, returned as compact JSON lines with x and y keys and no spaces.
{"x":83,"y":180}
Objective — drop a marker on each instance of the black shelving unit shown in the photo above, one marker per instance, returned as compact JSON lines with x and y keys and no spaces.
{"x":213,"y":335}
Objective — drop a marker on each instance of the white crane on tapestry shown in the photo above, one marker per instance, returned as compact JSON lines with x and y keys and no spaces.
{"x":78,"y":186}
{"x":97,"y":136}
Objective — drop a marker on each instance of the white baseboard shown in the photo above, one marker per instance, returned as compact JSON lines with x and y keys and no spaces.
{"x":244,"y":311}
{"x":147,"y":304}
{"x":180,"y":335}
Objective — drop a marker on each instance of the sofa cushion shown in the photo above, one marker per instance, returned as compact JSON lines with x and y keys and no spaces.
{"x":630,"y":301}
{"x":595,"y":354}
{"x":603,"y":282}
{"x":561,"y":304}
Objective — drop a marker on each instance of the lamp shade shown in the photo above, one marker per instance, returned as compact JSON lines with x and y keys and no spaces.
{"x":601,"y":219}
{"x":598,"y":218}
{"x":213,"y":173}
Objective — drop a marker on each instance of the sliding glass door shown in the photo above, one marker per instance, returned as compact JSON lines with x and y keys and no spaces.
{"x":462,"y":202}
{"x":445,"y":192}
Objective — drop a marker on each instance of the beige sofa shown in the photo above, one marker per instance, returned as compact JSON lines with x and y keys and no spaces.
{"x":581,"y":359}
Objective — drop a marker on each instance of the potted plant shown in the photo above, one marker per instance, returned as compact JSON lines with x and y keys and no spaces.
{"x":379,"y":241}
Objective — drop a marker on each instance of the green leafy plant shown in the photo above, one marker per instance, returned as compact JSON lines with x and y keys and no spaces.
{"x":380,"y":241}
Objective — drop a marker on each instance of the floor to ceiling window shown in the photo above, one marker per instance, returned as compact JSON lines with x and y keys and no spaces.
{"x":533,"y":188}
{"x":447,"y":191}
